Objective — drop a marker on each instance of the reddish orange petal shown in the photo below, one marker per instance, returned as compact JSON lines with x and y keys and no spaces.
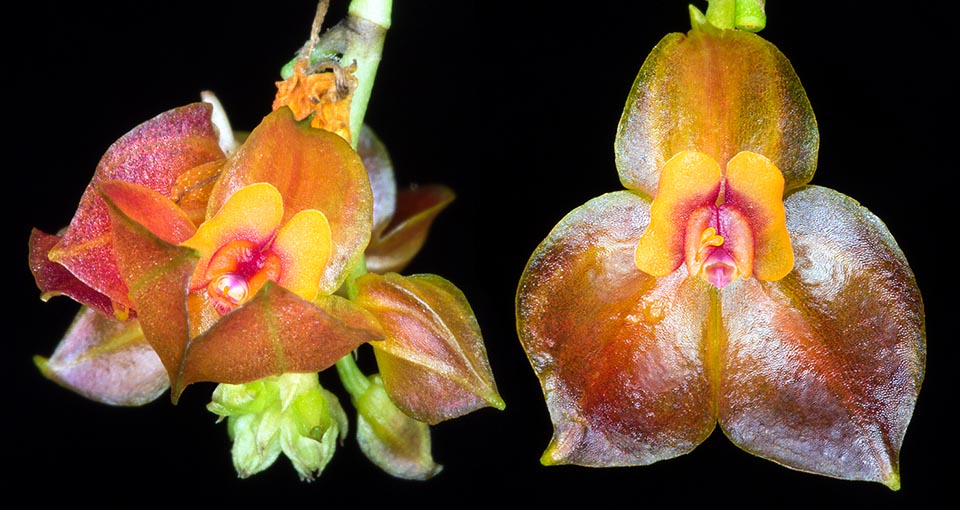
{"x":252,"y":215}
{"x":690,"y":180}
{"x":54,"y":280}
{"x":312,"y":169}
{"x":303,"y":245}
{"x":153,"y":211}
{"x":157,"y":274}
{"x":720,"y":93}
{"x":622,"y":356}
{"x":276,"y":332}
{"x":153,"y":154}
{"x":823,"y":367}
{"x":417,"y":207}
{"x":433,"y":361}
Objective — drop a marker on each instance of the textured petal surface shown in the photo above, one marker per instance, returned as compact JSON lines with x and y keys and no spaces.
{"x":313,"y":169}
{"x":106,"y":360}
{"x":433,"y":361}
{"x":392,"y":249}
{"x":622,"y":356}
{"x":717,"y":92}
{"x":822,"y":368}
{"x":55,"y":280}
{"x":153,"y":154}
{"x":153,"y":211}
{"x":157,"y":274}
{"x":276,"y":332}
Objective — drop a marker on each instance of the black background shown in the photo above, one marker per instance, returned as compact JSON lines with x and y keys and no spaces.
{"x":515,"y":107}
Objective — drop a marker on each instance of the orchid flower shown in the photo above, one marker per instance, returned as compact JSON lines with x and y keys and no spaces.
{"x":198,"y":259}
{"x":721,"y":287}
{"x":181,"y":280}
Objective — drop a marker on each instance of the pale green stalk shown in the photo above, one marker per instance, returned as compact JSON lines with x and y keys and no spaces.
{"x":358,"y":38}
{"x":746,"y":15}
{"x":352,"y":377}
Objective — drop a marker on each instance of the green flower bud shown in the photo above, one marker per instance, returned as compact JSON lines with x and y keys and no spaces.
{"x":255,"y":444}
{"x":395,"y":442}
{"x":290,"y":413}
{"x":310,"y":431}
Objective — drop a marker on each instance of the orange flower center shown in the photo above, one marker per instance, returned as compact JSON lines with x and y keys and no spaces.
{"x":722,"y":225}
{"x":718,"y":244}
{"x":247,"y":244}
{"x":237,"y":271}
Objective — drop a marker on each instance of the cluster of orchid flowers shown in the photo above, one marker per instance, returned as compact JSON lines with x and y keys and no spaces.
{"x":718,"y":288}
{"x":257,"y":265}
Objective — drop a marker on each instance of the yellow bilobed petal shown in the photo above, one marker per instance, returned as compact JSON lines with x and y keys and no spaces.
{"x":755,"y":188}
{"x":689,"y":180}
{"x":304,"y":246}
{"x":312,"y":169}
{"x":252,"y":214}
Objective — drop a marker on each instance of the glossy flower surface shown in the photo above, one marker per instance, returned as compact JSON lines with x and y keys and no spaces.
{"x":243,"y":246}
{"x":157,"y":154}
{"x":250,"y":270}
{"x":248,"y":292}
{"x":720,"y":287}
{"x":744,"y":234}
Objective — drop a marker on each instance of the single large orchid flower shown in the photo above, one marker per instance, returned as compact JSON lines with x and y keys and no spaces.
{"x":720,"y":287}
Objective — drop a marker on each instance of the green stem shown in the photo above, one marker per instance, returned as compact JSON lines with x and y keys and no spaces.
{"x":375,"y":11}
{"x":358,"y":38}
{"x":375,"y":14}
{"x":751,"y":15}
{"x":353,"y":379}
{"x":746,"y":15}
{"x":349,"y":288}
{"x":722,"y":13}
